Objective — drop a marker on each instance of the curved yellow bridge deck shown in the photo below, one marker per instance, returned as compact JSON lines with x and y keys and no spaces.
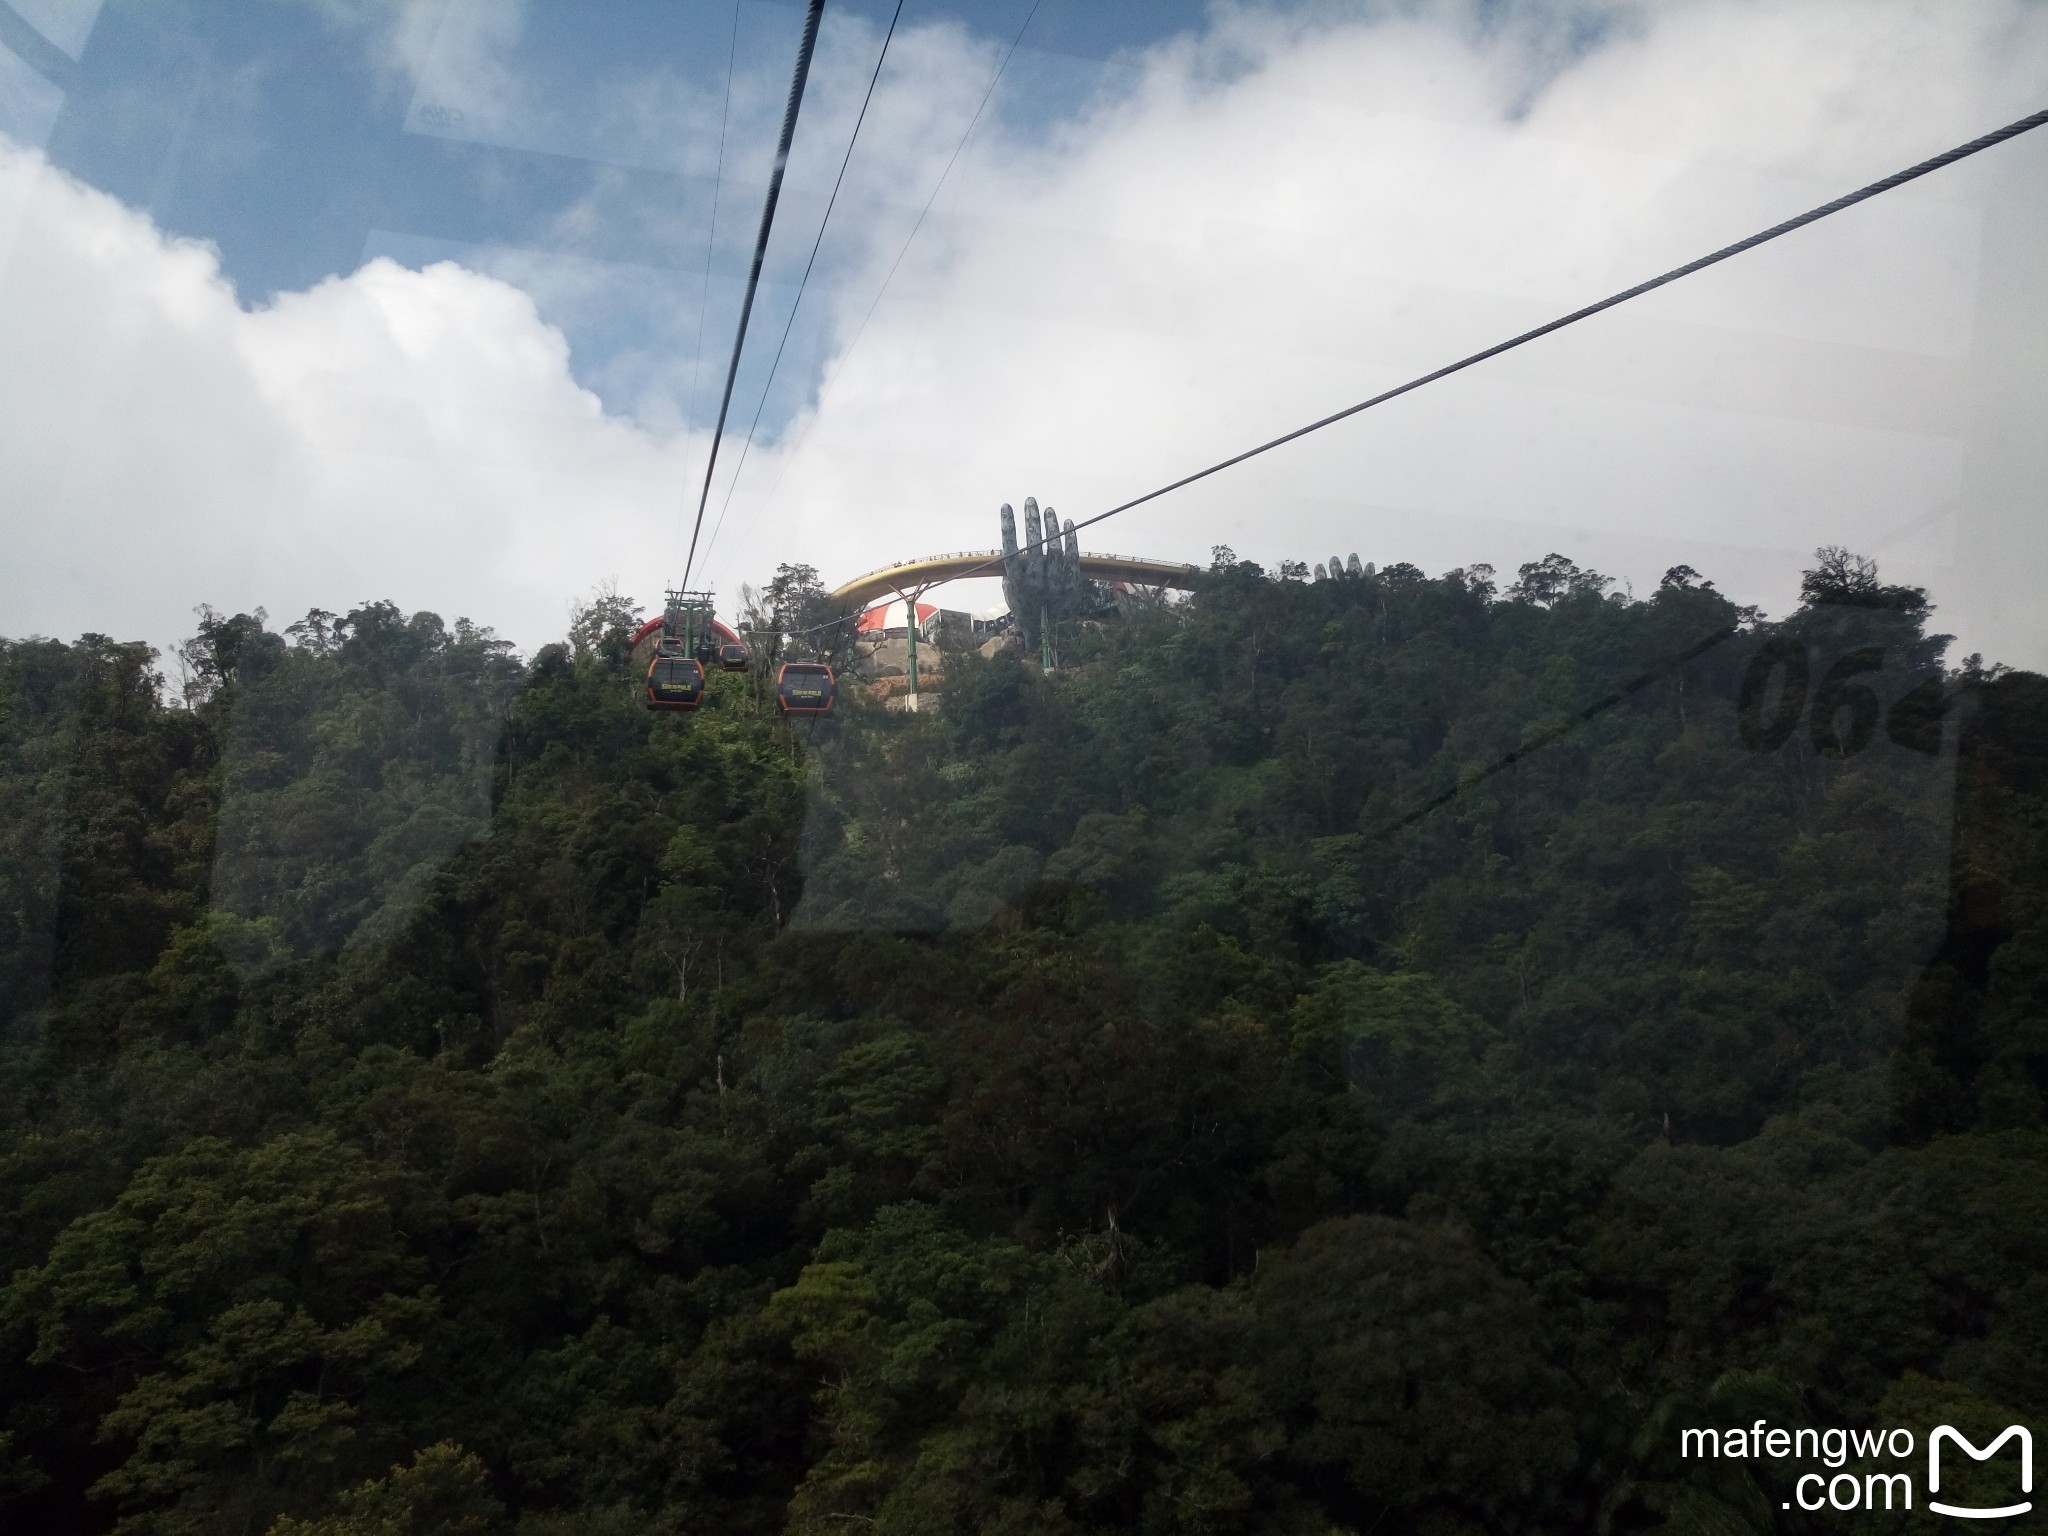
{"x":918,"y":575}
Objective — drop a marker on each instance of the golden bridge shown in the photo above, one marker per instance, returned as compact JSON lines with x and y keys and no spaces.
{"x":919,"y":576}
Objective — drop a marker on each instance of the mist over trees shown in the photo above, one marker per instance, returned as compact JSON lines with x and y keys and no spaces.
{"x":1370,"y":1054}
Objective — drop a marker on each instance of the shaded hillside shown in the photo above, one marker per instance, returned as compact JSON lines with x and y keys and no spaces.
{"x":1368,"y":1055}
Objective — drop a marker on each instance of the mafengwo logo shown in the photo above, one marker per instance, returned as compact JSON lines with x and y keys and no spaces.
{"x":1945,"y":1433}
{"x":1844,"y":1491}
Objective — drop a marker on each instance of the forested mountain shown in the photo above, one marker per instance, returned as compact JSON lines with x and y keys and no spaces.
{"x":1366,"y":1055}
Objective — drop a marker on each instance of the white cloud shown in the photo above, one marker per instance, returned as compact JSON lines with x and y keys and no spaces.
{"x":413,"y":435}
{"x":1286,"y":217}
{"x":1275,"y":218}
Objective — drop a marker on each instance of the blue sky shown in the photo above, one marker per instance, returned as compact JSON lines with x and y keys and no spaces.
{"x":324,"y":300}
{"x":281,"y":133}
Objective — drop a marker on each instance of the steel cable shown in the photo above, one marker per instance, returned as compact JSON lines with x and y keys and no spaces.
{"x":789,"y":323}
{"x":1848,"y":200}
{"x":939,"y":186}
{"x":739,"y":341}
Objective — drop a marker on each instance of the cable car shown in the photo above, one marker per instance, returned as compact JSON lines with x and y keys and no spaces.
{"x":805,"y":688}
{"x":675,"y":682}
{"x":688,"y":641}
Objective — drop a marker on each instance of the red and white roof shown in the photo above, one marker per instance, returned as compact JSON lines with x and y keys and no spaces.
{"x":894,"y":615}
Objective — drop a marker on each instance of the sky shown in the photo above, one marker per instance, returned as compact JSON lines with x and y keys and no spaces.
{"x":306,"y":304}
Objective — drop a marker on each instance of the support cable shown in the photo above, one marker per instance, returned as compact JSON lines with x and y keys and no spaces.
{"x":739,"y":341}
{"x":789,"y":323}
{"x":1849,"y":200}
{"x":732,"y":53}
{"x":937,"y":187}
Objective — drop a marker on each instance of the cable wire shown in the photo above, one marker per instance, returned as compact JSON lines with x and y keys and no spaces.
{"x":937,"y":187}
{"x":1471,"y":781}
{"x":732,"y":53}
{"x":739,"y":341}
{"x":1848,"y":200}
{"x":789,"y":323}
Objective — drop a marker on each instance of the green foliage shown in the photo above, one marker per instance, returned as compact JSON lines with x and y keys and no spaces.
{"x":1375,"y":1054}
{"x":252,"y":1308}
{"x":444,"y":1492}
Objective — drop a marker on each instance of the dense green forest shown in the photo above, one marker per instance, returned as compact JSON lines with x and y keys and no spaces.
{"x":1366,"y":1055}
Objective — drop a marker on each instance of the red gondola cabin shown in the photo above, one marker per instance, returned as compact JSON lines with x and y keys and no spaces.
{"x":805,"y":688}
{"x":675,"y":682}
